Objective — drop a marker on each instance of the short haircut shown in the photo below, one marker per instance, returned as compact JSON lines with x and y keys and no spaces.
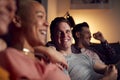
{"x":78,"y":28}
{"x":23,"y":7}
{"x":55,"y":23}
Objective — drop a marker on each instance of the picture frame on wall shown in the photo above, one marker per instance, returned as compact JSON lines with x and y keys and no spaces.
{"x":90,"y":4}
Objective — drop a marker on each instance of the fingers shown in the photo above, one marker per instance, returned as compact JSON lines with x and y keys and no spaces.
{"x":115,"y":72}
{"x":110,"y":68}
{"x":64,"y":65}
{"x":115,"y":69}
{"x":112,"y":72}
{"x":59,"y":66}
{"x":97,"y":34}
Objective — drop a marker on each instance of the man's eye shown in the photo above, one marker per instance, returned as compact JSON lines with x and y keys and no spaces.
{"x":59,"y":33}
{"x":40,"y":16}
{"x":68,"y":31}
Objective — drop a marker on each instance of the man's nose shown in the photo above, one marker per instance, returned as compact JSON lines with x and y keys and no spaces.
{"x":64,"y":35}
{"x":46,"y":23}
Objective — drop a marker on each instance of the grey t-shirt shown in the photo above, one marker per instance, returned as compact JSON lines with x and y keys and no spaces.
{"x":81,"y":67}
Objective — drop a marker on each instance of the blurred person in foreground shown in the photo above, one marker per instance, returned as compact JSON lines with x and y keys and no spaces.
{"x":29,"y":30}
{"x":7,"y":12}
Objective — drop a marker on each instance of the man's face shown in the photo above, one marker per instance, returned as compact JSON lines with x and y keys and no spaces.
{"x":35,"y":25}
{"x":7,"y":11}
{"x":85,"y":36}
{"x":63,"y":36}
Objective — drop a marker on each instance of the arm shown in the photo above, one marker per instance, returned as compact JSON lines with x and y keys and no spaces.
{"x":109,"y":51}
{"x":100,"y":67}
{"x":53,"y":55}
{"x":109,"y":71}
{"x":3,"y":45}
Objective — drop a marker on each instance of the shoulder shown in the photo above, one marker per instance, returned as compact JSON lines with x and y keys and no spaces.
{"x":9,"y":51}
{"x":3,"y":45}
{"x":75,"y":49}
{"x":6,"y":56}
{"x":80,"y":57}
{"x":10,"y":54}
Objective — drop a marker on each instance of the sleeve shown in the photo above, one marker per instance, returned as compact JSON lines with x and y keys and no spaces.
{"x":109,"y":52}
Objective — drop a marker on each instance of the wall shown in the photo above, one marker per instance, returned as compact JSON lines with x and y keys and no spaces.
{"x":104,"y":20}
{"x":52,"y":12}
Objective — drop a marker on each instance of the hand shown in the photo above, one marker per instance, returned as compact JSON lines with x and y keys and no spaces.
{"x":53,"y":54}
{"x":99,"y":36}
{"x":111,"y":73}
{"x":57,"y":57}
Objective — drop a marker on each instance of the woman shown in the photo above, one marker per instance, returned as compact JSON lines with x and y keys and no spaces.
{"x":29,"y":31}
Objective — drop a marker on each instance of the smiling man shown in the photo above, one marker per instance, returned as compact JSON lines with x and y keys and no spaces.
{"x":82,"y":36}
{"x":81,"y":66}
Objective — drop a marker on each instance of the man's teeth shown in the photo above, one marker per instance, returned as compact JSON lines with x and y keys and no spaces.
{"x":66,"y":40}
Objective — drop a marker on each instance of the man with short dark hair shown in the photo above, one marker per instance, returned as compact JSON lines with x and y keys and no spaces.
{"x":81,"y":66}
{"x":82,"y":36}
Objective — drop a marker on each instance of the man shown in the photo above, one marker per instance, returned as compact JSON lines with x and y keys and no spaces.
{"x":81,"y":66}
{"x":29,"y":31}
{"x":82,"y":37}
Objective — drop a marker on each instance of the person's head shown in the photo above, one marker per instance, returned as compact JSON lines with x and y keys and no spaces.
{"x":7,"y":11}
{"x":61,"y":34}
{"x":82,"y":34}
{"x":31,"y":22}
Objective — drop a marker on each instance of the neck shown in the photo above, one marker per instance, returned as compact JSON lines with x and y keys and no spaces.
{"x":27,"y":46}
{"x":23,"y":45}
{"x":66,"y":52}
{"x":79,"y":44}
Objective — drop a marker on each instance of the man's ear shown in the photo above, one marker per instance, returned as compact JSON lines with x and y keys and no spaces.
{"x":77,"y":34}
{"x":17,"y":21}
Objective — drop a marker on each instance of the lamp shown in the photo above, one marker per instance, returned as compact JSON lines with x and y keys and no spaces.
{"x":70,"y":19}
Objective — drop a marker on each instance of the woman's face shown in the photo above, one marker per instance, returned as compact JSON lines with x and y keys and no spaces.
{"x":35,"y":25}
{"x":7,"y":12}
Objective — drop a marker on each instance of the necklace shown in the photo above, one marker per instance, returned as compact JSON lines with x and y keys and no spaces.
{"x":27,"y":51}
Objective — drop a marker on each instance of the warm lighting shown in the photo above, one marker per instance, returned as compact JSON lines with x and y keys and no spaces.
{"x":91,"y":19}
